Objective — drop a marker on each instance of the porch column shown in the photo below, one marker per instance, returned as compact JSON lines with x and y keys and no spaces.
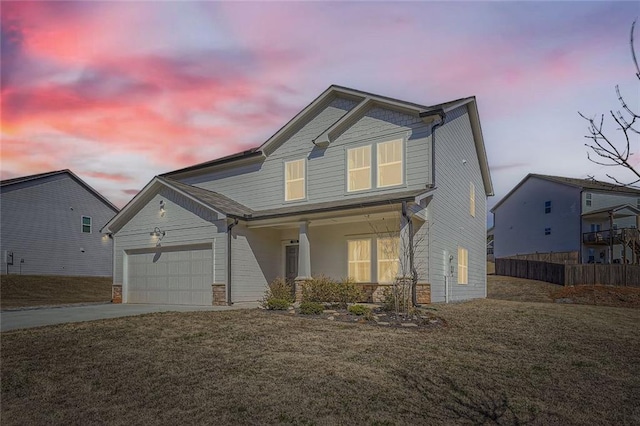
{"x":304,"y":253}
{"x":404,"y":249}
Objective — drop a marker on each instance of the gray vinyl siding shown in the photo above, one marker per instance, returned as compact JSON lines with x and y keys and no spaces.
{"x":601,"y":200}
{"x":520,"y":221}
{"x":450,"y":222}
{"x":185,"y":223}
{"x":41,"y":222}
{"x":261,"y":185}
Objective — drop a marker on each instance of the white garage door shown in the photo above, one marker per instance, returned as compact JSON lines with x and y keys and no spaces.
{"x":171,"y":277}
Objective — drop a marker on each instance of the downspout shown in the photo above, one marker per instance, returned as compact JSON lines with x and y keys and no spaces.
{"x":412,"y":268}
{"x":443,"y":117}
{"x":229,"y":228}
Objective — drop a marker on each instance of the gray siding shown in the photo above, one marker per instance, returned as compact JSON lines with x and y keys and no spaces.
{"x":520,"y":221}
{"x":261,"y":185}
{"x":450,"y":222}
{"x":601,"y":200}
{"x":41,"y":223}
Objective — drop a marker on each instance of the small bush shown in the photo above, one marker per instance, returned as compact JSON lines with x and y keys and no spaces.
{"x":311,"y":308}
{"x":324,"y":290}
{"x":279,"y":295}
{"x":390,"y":302}
{"x":359,"y":310}
{"x":349,"y":292}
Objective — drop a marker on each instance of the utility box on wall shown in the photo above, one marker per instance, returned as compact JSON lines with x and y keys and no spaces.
{"x":8,"y":257}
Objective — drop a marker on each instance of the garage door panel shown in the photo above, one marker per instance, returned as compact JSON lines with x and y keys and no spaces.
{"x":171,"y":277}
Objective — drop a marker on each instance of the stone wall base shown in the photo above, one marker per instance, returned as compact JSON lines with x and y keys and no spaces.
{"x":116,"y":293}
{"x":298,"y":285}
{"x":219,"y":294}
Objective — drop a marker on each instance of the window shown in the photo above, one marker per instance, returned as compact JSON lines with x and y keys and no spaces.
{"x":390,"y":163}
{"x":388,"y":259}
{"x":294,"y":180}
{"x":359,"y":168}
{"x":588,"y":201}
{"x":463,"y":266}
{"x":595,"y":227}
{"x":547,"y":207}
{"x":472,"y":199}
{"x":360,"y":260}
{"x":547,"y":231}
{"x":86,"y":224}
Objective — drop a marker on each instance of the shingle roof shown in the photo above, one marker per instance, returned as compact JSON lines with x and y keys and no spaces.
{"x":31,"y":177}
{"x":589,"y":184}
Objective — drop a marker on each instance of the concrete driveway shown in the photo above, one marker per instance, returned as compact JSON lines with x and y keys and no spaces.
{"x":37,"y":317}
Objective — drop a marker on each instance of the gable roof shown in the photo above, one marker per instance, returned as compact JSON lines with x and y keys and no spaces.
{"x":365,"y":101}
{"x":582,"y":184}
{"x":32,"y":178}
{"x":615,"y":210}
{"x":216,"y":201}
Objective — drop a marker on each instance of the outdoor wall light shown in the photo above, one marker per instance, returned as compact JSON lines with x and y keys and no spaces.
{"x":157,"y":232}
{"x":162,"y":207}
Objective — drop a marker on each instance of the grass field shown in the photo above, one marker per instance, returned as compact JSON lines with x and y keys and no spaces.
{"x":38,"y":290}
{"x":499,"y":362}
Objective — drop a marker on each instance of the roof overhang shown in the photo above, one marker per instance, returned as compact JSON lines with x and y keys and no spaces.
{"x":617,"y":212}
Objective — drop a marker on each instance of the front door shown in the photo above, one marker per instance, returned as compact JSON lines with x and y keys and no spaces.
{"x":291,"y":263}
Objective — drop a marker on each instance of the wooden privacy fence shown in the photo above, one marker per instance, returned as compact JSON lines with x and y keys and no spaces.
{"x":564,"y":257}
{"x":589,"y":274}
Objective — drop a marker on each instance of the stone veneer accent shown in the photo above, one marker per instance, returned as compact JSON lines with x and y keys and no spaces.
{"x":374,"y":293}
{"x":299,"y":284}
{"x":219,"y":294}
{"x":116,"y":293}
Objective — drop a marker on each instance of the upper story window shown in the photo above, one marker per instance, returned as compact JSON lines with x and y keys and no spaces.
{"x":294,"y":180}
{"x":588,"y":199}
{"x":86,"y":224}
{"x":390,"y":163}
{"x":359,"y":260}
{"x":388,"y":259}
{"x":547,"y":207}
{"x":359,"y":168}
{"x":472,"y":199}
{"x":547,"y":231}
{"x":463,"y":265}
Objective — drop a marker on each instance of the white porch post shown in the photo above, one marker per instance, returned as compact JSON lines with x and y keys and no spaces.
{"x":304,"y":253}
{"x":404,"y":250}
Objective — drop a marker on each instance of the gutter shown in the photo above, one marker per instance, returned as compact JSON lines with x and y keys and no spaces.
{"x":229,"y":228}
{"x":414,"y":272}
{"x":443,"y":116}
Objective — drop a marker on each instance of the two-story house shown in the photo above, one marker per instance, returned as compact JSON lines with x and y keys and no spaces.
{"x":598,"y":221}
{"x":355,"y":185}
{"x":50,"y":225}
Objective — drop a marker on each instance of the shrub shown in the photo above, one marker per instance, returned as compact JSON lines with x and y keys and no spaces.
{"x":311,"y":308}
{"x":322,"y":289}
{"x":279,"y":295}
{"x":349,"y":292}
{"x":393,"y":302}
{"x":359,"y":310}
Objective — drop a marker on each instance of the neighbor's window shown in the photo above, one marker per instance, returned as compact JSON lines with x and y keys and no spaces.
{"x":390,"y":163}
{"x":388,"y":259}
{"x":463,"y":266}
{"x":360,"y":260}
{"x":294,"y":180}
{"x":547,"y":231}
{"x":588,"y":201}
{"x":86,"y":224}
{"x":547,"y":207}
{"x":359,"y":168}
{"x":472,"y":199}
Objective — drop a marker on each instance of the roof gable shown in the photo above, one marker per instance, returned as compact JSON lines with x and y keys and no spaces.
{"x":43,"y":176}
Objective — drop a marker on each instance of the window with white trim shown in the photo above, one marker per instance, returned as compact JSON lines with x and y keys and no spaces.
{"x":588,"y":199}
{"x":359,"y":168}
{"x":359,"y":253}
{"x":86,"y":225}
{"x":388,"y":251}
{"x":463,"y":266}
{"x":390,"y":163}
{"x":294,"y":180}
{"x":472,"y":199}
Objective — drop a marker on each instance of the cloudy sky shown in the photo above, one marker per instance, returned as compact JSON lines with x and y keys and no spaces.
{"x":122,"y":91}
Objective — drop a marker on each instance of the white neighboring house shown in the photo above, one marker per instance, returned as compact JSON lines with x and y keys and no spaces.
{"x":318,"y":197}
{"x":50,"y":225}
{"x":547,"y":214}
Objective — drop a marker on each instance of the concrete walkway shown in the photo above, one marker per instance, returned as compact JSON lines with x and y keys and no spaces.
{"x":37,"y":317}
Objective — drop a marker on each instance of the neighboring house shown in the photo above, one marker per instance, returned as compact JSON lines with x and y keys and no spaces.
{"x":50,"y":225}
{"x":490,"y":239}
{"x":324,"y":195}
{"x":547,"y":214}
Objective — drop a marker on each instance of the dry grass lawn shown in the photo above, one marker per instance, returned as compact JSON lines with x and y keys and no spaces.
{"x":520,"y":289}
{"x":497,"y":362}
{"x":38,"y":290}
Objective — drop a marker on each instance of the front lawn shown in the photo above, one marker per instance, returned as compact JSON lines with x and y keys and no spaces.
{"x":496,"y":361}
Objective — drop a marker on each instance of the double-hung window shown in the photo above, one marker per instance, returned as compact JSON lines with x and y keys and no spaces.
{"x":547,"y":207}
{"x":588,"y":199}
{"x":360,"y":260}
{"x":388,"y":259}
{"x":463,"y":266}
{"x":390,"y":163}
{"x":86,"y":225}
{"x":294,"y":180}
{"x":359,"y":168}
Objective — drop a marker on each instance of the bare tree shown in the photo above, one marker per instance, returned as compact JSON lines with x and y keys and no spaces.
{"x":613,"y":152}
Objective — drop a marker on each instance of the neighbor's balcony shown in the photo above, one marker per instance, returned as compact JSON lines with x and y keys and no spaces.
{"x":603,"y":238}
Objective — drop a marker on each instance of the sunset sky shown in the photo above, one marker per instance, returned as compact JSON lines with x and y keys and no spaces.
{"x":121,"y":91}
